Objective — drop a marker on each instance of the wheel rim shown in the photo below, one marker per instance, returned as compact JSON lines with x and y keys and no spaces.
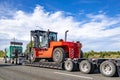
{"x":68,"y":66}
{"x":32,"y":58}
{"x":57,"y":56}
{"x":84,"y":67}
{"x":107,"y":69}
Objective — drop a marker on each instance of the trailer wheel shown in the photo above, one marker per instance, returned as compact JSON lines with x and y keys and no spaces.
{"x":69,"y":65}
{"x":108,"y":68}
{"x":86,"y":67}
{"x":58,"y":55}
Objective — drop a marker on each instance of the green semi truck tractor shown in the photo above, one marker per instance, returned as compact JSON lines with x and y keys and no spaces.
{"x":14,"y":53}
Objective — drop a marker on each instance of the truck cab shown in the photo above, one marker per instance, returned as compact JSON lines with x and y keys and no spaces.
{"x":13,"y":52}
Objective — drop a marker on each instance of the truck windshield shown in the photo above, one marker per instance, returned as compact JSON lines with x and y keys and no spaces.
{"x":42,"y":38}
{"x":52,"y":36}
{"x":45,"y":39}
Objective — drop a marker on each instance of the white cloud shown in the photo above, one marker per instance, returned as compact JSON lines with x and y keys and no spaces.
{"x":96,"y":33}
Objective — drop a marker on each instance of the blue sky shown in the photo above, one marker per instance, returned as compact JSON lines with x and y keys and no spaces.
{"x":75,"y":7}
{"x":96,"y":23}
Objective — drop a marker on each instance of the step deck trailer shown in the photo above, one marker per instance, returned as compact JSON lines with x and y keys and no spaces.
{"x":106,"y":66}
{"x":47,"y":51}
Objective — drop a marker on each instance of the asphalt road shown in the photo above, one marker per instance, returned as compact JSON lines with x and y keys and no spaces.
{"x":17,"y":72}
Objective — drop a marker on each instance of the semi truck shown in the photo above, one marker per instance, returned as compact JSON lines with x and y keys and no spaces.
{"x":14,"y":53}
{"x":47,"y":51}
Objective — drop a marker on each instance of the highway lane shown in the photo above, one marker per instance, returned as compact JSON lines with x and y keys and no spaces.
{"x":13,"y":72}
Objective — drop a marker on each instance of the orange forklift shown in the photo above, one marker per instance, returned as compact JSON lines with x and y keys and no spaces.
{"x":47,"y":47}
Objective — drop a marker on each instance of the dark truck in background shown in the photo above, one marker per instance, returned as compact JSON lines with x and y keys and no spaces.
{"x":14,"y":53}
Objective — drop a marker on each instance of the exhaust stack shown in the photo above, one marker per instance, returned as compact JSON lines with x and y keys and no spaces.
{"x":66,"y":35}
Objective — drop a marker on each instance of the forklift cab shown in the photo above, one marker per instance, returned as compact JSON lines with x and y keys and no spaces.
{"x":41,"y":39}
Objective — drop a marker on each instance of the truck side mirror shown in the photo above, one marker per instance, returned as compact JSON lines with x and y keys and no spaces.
{"x":5,"y":50}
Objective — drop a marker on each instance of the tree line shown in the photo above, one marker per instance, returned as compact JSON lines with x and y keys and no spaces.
{"x":2,"y":53}
{"x":102,"y":54}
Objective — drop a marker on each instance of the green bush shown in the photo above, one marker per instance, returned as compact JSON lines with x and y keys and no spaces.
{"x":102,"y":54}
{"x":2,"y":54}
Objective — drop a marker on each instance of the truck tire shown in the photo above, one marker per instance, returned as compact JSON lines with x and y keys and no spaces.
{"x":86,"y":67}
{"x":11,"y":61}
{"x":58,"y":55}
{"x":23,"y":63}
{"x":69,"y":65}
{"x":108,"y":68}
{"x":5,"y":59}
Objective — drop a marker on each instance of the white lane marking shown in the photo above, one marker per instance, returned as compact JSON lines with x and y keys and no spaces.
{"x":74,"y":75}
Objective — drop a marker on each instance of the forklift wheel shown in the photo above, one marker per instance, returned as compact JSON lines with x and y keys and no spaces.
{"x":58,"y":55}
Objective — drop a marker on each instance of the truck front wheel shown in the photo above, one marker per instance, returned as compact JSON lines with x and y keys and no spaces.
{"x":108,"y":68}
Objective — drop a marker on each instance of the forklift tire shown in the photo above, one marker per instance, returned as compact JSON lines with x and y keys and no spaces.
{"x":69,"y":65}
{"x":58,"y":55}
{"x":32,"y":57}
{"x":86,"y":67}
{"x":108,"y":68}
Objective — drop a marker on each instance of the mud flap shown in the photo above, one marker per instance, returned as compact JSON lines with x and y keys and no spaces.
{"x":118,"y":70}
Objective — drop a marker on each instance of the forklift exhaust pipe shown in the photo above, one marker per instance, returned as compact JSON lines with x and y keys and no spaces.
{"x":66,"y":35}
